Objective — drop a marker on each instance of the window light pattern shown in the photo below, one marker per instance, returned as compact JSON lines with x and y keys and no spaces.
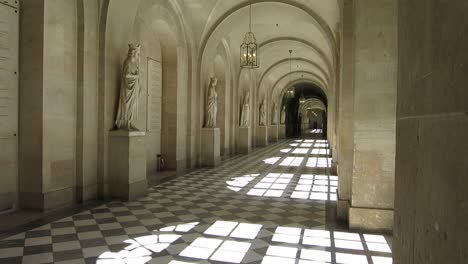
{"x":272,"y":161}
{"x":308,"y":146}
{"x":318,"y":162}
{"x":308,"y":186}
{"x":316,"y":187}
{"x":292,"y":162}
{"x":216,"y":249}
{"x":301,"y":151}
{"x":327,"y":247}
{"x":272,"y":185}
{"x":230,"y":242}
{"x":320,"y":151}
{"x":140,"y":249}
{"x":234,"y":229}
{"x":219,"y":249}
{"x":236,"y":184}
{"x":316,"y":131}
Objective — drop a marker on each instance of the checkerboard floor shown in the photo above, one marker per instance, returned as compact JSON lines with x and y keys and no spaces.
{"x":271,"y":206}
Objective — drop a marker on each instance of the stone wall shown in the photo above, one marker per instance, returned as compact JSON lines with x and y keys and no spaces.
{"x":431,"y":202}
{"x":9,"y":38}
{"x":375,"y":59}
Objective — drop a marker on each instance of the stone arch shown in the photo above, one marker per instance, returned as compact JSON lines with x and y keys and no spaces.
{"x":123,"y":22}
{"x":284,"y":61}
{"x":278,"y":91}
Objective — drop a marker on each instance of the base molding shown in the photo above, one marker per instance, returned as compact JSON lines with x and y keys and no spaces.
{"x":342,"y":209}
{"x":130,"y":191}
{"x":47,"y":201}
{"x":371,"y":219}
{"x":262,"y":136}
{"x":87,"y":193}
{"x":245,"y":140}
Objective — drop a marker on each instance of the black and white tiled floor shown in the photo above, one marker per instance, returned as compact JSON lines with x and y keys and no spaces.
{"x":268,"y":207}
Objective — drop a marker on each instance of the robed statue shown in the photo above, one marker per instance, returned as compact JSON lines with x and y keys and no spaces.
{"x":263,"y":113}
{"x":283,"y":115}
{"x":127,"y":111}
{"x":211,"y":104}
{"x":245,"y":114}
{"x":274,"y":120}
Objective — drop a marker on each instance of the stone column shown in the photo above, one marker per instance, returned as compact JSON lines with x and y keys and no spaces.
{"x":431,"y":197}
{"x":211,"y":147}
{"x":48,"y":107}
{"x":245,"y":140}
{"x":262,"y":136}
{"x":346,"y":100}
{"x":375,"y":86}
{"x":273,"y":133}
{"x":127,"y":159}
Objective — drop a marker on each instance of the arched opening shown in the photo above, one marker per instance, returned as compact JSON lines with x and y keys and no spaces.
{"x":298,"y":115}
{"x":313,"y":122}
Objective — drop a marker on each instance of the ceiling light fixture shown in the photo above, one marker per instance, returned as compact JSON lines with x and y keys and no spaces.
{"x":249,"y":48}
{"x":302,"y":98}
{"x":290,"y":91}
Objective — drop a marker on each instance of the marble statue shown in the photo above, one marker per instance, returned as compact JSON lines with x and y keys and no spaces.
{"x":245,"y":114}
{"x":263,"y":113}
{"x":274,"y":120}
{"x":283,"y":115}
{"x":211,"y":104}
{"x":127,"y":111}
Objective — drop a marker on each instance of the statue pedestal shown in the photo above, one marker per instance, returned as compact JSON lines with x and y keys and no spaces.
{"x":273,"y":133}
{"x":262,"y":136}
{"x":245,"y":140}
{"x":282,"y":131}
{"x":127,"y":164}
{"x":210,"y":147}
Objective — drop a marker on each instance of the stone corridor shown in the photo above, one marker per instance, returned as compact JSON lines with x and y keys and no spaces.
{"x":275,"y":205}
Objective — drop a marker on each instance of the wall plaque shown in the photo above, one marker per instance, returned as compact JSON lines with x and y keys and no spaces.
{"x":8,"y":71}
{"x":154,"y":105}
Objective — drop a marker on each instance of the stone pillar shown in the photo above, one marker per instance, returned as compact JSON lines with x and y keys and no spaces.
{"x":127,"y":159}
{"x":346,"y":101}
{"x":48,"y":117}
{"x":245,"y":140}
{"x":431,"y":197}
{"x":262,"y":136}
{"x":273,"y":133}
{"x":375,"y":86}
{"x":211,"y":147}
{"x":282,"y":131}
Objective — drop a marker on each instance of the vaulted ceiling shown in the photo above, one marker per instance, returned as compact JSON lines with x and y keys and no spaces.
{"x":305,"y":26}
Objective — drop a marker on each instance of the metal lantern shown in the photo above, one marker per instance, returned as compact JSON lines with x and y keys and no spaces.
{"x":290,"y":92}
{"x":249,"y":51}
{"x":249,"y":48}
{"x":302,"y":98}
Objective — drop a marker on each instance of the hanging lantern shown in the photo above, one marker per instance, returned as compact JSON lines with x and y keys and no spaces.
{"x":290,"y":92}
{"x":249,"y":48}
{"x":302,"y":98}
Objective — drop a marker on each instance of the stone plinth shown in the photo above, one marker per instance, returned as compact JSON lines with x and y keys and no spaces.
{"x":127,"y":164}
{"x":371,"y":219}
{"x":210,"y":147}
{"x":273,"y":133}
{"x":282,"y":131}
{"x":245,"y":140}
{"x":262,"y":136}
